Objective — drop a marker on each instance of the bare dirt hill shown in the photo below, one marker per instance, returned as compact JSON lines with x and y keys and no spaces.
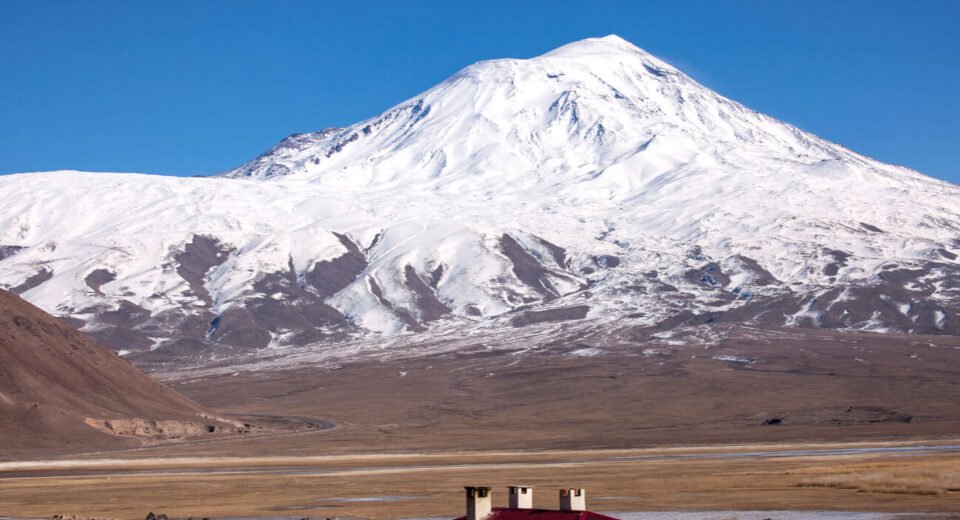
{"x":62,"y":391}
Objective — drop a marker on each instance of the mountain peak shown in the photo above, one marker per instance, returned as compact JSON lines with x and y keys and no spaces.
{"x":606,"y":55}
{"x":593,"y":183}
{"x":587,"y":106}
{"x":610,"y":44}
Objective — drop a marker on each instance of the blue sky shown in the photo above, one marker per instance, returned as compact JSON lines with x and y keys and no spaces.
{"x":198,"y":87}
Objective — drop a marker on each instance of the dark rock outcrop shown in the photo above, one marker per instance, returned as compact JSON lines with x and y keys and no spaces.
{"x":431,"y":308}
{"x":527,"y":268}
{"x":551,"y":315}
{"x":41,"y":276}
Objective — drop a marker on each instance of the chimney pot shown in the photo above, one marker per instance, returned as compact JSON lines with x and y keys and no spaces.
{"x":573,"y":499}
{"x":478,"y":502}
{"x":521,"y":497}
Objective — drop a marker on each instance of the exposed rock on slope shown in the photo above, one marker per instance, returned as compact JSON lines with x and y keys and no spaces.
{"x":595,"y":177}
{"x":61,"y":390}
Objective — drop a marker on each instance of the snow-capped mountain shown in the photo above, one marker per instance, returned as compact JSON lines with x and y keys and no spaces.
{"x":594,"y":183}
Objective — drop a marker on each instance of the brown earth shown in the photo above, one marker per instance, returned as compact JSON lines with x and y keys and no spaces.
{"x":749,"y":386}
{"x":61,"y":391}
{"x":478,"y":416}
{"x":430,"y":485}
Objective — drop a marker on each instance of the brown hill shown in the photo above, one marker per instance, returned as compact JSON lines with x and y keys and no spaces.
{"x":62,"y":391}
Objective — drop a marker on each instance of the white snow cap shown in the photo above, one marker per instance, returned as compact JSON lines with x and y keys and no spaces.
{"x":596,"y":147}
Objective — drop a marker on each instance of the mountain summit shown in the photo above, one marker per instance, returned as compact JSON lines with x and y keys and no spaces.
{"x":572,"y":113}
{"x":594,"y":186}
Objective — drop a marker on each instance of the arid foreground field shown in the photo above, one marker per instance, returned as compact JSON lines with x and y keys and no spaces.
{"x":863,"y":477}
{"x":839,"y":417}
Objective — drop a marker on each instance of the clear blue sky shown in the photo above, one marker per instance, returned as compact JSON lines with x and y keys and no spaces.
{"x":197,"y":87}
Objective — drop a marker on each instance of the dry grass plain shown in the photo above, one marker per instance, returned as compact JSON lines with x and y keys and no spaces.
{"x":550,"y":420}
{"x":429,"y":485}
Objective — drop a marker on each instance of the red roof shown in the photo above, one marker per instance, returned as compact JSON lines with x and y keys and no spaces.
{"x":503,"y":513}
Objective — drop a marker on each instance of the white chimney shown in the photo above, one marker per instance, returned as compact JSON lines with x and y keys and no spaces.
{"x":521,"y":497}
{"x":573,"y":499}
{"x":478,"y":502}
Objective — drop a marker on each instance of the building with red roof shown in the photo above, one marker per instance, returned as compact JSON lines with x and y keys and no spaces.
{"x":572,"y":506}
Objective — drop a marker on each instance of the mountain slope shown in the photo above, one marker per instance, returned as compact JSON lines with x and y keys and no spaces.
{"x":594,"y":184}
{"x":571,"y":113}
{"x":60,"y":389}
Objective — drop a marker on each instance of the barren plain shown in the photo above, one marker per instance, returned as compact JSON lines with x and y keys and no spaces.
{"x":781,"y":420}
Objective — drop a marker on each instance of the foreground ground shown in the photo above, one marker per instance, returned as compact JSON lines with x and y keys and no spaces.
{"x":845,"y":477}
{"x":619,"y":423}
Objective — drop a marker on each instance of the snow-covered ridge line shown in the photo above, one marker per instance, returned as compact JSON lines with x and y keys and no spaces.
{"x":595,"y":182}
